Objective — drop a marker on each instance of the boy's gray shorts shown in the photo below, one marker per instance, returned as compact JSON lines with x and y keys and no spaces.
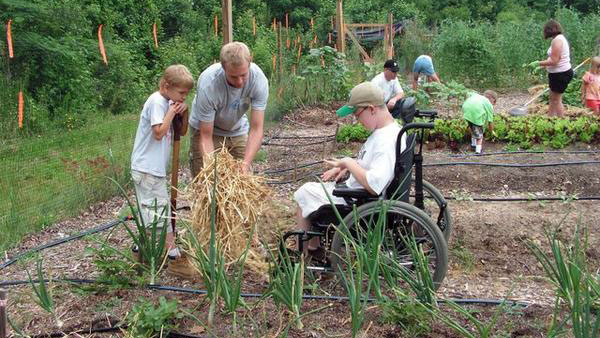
{"x":476,"y":131}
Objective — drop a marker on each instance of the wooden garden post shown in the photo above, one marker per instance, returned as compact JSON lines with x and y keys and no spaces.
{"x":227,"y":22}
{"x":390,"y":46}
{"x":341,"y":36}
{"x":3,"y":311}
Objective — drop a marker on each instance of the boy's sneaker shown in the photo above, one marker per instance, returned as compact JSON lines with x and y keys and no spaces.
{"x":174,"y":253}
{"x":473,"y":148}
{"x":135,"y":254}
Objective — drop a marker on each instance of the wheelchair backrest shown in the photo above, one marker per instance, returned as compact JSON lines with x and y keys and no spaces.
{"x":399,"y":188}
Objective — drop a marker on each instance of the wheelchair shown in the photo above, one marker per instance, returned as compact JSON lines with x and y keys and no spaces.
{"x":406,"y":214}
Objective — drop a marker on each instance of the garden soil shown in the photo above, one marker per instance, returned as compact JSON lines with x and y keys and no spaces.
{"x":488,"y":258}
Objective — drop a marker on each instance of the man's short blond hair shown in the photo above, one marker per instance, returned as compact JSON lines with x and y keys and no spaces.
{"x":236,"y":54}
{"x":177,"y":76}
{"x":491,"y":94}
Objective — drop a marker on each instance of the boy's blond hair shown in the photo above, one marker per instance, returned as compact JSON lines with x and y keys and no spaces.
{"x":595,"y":67}
{"x":235,"y":53}
{"x":177,"y":76}
{"x":491,"y":94}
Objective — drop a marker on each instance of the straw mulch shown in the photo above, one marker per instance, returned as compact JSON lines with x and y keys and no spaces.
{"x":241,"y":200}
{"x":571,"y":111}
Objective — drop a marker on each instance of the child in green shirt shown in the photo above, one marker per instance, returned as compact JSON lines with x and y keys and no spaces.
{"x":479,"y":110}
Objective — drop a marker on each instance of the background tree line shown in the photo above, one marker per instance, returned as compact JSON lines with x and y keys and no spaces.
{"x":58,"y":67}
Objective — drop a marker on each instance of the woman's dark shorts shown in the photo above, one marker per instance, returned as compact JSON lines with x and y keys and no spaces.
{"x":559,"y":81}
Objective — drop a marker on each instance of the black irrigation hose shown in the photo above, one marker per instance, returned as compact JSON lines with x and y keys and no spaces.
{"x":97,"y":229}
{"x":295,"y":145}
{"x":524,"y":199}
{"x":526,"y":152}
{"x":509,"y":165}
{"x":271,"y":172}
{"x":303,"y":137}
{"x":105,"y":330}
{"x":312,"y":174}
{"x":260,"y":295}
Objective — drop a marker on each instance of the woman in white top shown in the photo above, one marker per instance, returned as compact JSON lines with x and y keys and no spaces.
{"x":558,"y":65}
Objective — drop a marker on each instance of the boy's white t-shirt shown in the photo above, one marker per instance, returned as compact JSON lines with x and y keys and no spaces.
{"x":149,"y":154}
{"x":390,"y":88}
{"x":378,"y":157}
{"x":226,"y":106}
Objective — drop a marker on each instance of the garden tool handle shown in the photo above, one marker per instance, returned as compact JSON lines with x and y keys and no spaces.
{"x":545,"y":90}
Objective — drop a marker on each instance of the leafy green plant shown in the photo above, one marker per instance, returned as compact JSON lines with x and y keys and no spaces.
{"x":147,"y":320}
{"x":43,"y":295}
{"x":286,"y":284}
{"x":117,"y":269}
{"x":151,"y":245}
{"x":352,"y":132}
{"x":352,"y":279}
{"x":566,"y":267}
{"x":404,"y":311}
{"x":209,"y":263}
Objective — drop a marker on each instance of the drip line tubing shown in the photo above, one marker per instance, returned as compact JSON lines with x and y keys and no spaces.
{"x":295,"y":145}
{"x":159,"y":287}
{"x":271,"y":172}
{"x":509,"y":165}
{"x":523,"y":199}
{"x":526,"y":152}
{"x":115,"y":328}
{"x":303,"y":137}
{"x":97,"y":229}
{"x":440,"y":164}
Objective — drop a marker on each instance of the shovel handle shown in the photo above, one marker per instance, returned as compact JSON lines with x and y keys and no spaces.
{"x":545,"y":90}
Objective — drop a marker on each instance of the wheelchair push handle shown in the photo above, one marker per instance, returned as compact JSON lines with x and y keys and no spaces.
{"x":415,"y":125}
{"x":432,"y":114}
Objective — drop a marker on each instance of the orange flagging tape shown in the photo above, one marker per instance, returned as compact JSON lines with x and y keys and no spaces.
{"x":254,"y":25}
{"x":101,"y":45}
{"x":21,"y":106}
{"x":154,"y":34}
{"x":286,"y":21}
{"x":9,"y":39}
{"x":216,"y":26}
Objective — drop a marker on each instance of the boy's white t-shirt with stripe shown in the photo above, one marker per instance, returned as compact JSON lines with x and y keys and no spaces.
{"x":149,"y":154}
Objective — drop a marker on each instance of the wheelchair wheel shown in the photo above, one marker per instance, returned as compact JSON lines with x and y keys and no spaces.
{"x":433,"y":200}
{"x":402,"y":221}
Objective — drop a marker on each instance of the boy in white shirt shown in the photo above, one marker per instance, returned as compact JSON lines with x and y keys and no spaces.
{"x":373,"y":169}
{"x":152,"y":147}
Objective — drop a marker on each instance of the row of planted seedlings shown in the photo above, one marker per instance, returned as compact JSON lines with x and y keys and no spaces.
{"x":524,"y":132}
{"x":372,"y":274}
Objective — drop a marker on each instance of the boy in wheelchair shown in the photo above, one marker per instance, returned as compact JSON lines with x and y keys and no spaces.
{"x":372,"y":170}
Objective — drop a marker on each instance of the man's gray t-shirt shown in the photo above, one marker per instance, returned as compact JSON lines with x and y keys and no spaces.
{"x":226,"y":106}
{"x":150,"y":155}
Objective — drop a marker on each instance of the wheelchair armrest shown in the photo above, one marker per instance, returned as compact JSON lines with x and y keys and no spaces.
{"x":341,"y":190}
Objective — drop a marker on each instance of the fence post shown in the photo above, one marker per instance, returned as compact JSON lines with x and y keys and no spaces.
{"x":3,"y":330}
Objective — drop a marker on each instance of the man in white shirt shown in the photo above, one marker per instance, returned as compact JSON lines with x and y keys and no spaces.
{"x":389,"y":84}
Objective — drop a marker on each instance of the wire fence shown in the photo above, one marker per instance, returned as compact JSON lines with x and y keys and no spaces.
{"x":46,"y":179}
